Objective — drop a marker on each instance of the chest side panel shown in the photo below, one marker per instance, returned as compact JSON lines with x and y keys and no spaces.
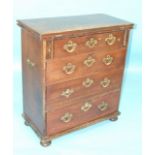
{"x":32,"y":70}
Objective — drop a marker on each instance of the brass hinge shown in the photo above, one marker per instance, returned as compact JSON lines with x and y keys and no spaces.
{"x":49,"y":49}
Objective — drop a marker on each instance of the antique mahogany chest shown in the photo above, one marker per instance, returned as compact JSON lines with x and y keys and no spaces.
{"x":72,"y":69}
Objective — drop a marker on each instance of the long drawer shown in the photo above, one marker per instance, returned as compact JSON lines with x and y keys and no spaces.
{"x":84,"y":64}
{"x":74,"y":45}
{"x":89,"y":85}
{"x":81,"y":111}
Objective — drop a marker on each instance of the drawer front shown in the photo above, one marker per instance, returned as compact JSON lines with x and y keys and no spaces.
{"x":69,"y":46}
{"x":95,"y":83}
{"x":81,"y":111}
{"x":74,"y":67}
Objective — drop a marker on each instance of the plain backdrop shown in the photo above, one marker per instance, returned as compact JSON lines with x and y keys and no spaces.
{"x":119,"y":138}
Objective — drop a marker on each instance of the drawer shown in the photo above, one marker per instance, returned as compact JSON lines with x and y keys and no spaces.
{"x":81,"y":111}
{"x":88,"y":85}
{"x":69,"y":46}
{"x":84,"y":64}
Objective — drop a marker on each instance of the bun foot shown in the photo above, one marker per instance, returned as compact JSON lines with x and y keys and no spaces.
{"x":114,"y":119}
{"x":26,"y":123}
{"x":45,"y":142}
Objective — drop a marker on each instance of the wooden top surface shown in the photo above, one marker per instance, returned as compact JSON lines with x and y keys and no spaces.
{"x":70,"y":23}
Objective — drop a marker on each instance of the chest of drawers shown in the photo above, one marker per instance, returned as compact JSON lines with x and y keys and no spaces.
{"x":72,"y":70}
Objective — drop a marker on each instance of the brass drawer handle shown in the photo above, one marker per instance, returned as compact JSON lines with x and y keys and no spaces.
{"x":70,"y":46}
{"x":105,"y":82}
{"x":67,"y":117}
{"x":103,"y":106}
{"x":89,"y":61}
{"x":88,"y":82}
{"x":69,"y":68}
{"x":110,"y":40}
{"x":108,"y":60}
{"x":67,"y":93}
{"x":91,"y":43}
{"x":87,"y":105}
{"x":30,"y":63}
